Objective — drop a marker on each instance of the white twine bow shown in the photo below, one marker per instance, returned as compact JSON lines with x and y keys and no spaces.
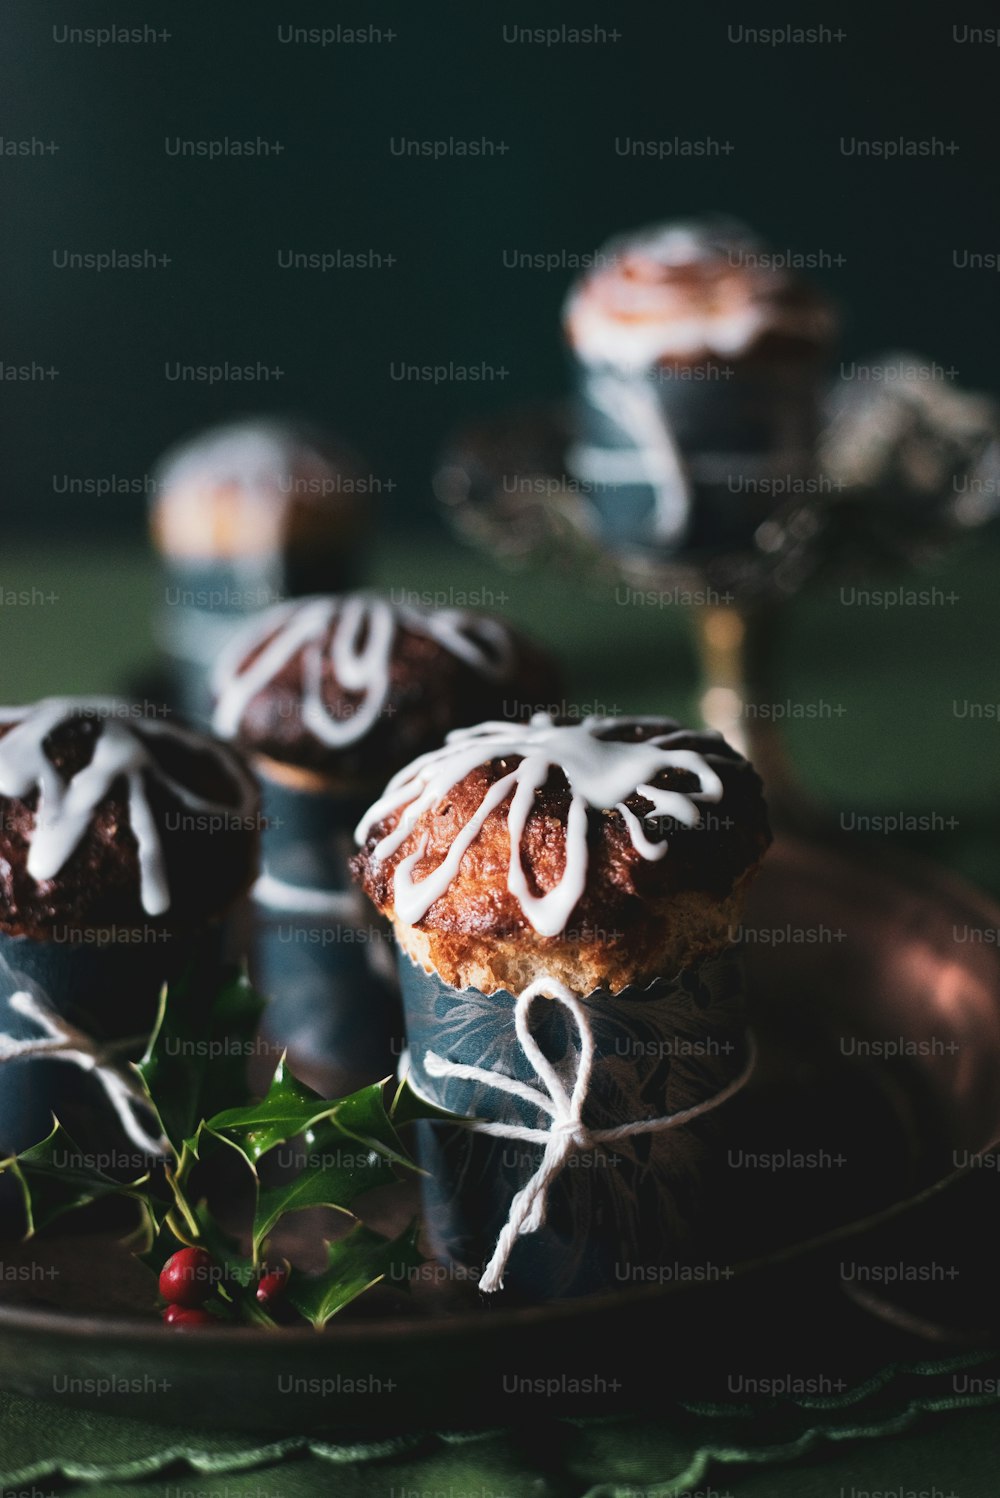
{"x":61,"y":1041}
{"x":568,"y":1134}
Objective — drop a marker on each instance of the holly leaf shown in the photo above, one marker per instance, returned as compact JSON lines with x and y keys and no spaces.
{"x":338,"y":1170}
{"x":408,"y":1106}
{"x":352,"y":1146}
{"x":289,"y":1108}
{"x":354,"y":1264}
{"x":141,"y":1240}
{"x":362,"y":1116}
{"x":195,"y":1069}
{"x":196,"y":1060}
{"x":56,"y":1176}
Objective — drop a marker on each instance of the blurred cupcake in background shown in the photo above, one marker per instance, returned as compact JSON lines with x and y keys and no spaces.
{"x":699,"y":362}
{"x":243,"y":516}
{"x":329,"y":696}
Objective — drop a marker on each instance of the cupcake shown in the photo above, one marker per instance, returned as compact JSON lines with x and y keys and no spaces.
{"x":329,"y":696}
{"x":125,"y":841}
{"x":563,"y":898}
{"x":243,"y":516}
{"x":698,"y":367}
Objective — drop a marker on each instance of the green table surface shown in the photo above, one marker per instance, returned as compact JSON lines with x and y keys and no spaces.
{"x":891,"y":710}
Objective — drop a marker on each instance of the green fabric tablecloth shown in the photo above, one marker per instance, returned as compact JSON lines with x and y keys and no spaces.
{"x":893,"y":1425}
{"x":894,"y":736}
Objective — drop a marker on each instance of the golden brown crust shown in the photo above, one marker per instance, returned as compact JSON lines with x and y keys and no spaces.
{"x":636,"y":919}
{"x":690,"y":927}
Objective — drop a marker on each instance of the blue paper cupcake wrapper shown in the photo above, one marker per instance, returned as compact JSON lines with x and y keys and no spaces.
{"x":105,"y":983}
{"x":308,"y":835}
{"x":616,"y":1208}
{"x":738,"y":435}
{"x":324,"y":963}
{"x":333,"y":999}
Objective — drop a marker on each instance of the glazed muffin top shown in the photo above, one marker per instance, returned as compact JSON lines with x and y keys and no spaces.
{"x":255,"y":487}
{"x":351,"y":686}
{"x":688,"y":291}
{"x":108,"y":817}
{"x":609,"y":850}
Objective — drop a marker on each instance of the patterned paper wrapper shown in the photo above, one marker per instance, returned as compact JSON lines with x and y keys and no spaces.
{"x":689,"y":459}
{"x":616,"y":1211}
{"x":105,"y":983}
{"x":324,"y":961}
{"x":308,"y":834}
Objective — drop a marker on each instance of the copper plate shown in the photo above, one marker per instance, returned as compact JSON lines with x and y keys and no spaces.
{"x":876,"y":993}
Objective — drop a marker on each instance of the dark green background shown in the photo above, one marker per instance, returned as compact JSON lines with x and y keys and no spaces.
{"x":559,"y":187}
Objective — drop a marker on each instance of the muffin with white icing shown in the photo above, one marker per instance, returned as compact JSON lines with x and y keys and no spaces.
{"x":699,"y":359}
{"x":275,"y":494}
{"x":125,"y":842}
{"x":107,"y":817}
{"x":605,"y":853}
{"x":345,"y":689}
{"x":564,"y":898}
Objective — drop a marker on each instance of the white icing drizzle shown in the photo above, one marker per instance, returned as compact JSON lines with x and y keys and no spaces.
{"x":66,"y":808}
{"x":602,"y":774}
{"x":633,"y":344}
{"x":364,"y":629}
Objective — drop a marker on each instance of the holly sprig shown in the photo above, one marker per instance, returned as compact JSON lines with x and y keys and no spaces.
{"x":193,"y":1085}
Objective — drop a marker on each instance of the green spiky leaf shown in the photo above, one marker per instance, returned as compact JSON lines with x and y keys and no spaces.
{"x":338,"y":1171}
{"x":354,"y":1264}
{"x":194,"y":1070}
{"x":288,"y":1109}
{"x":56,"y":1176}
{"x":408,"y":1106}
{"x":196,"y":1060}
{"x":362,"y":1116}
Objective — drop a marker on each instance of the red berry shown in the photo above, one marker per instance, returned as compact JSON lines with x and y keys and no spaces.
{"x":187,"y":1278}
{"x":182,"y":1316}
{"x":272,"y":1286}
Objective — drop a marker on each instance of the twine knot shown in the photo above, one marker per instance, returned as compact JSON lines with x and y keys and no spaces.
{"x":567,"y":1134}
